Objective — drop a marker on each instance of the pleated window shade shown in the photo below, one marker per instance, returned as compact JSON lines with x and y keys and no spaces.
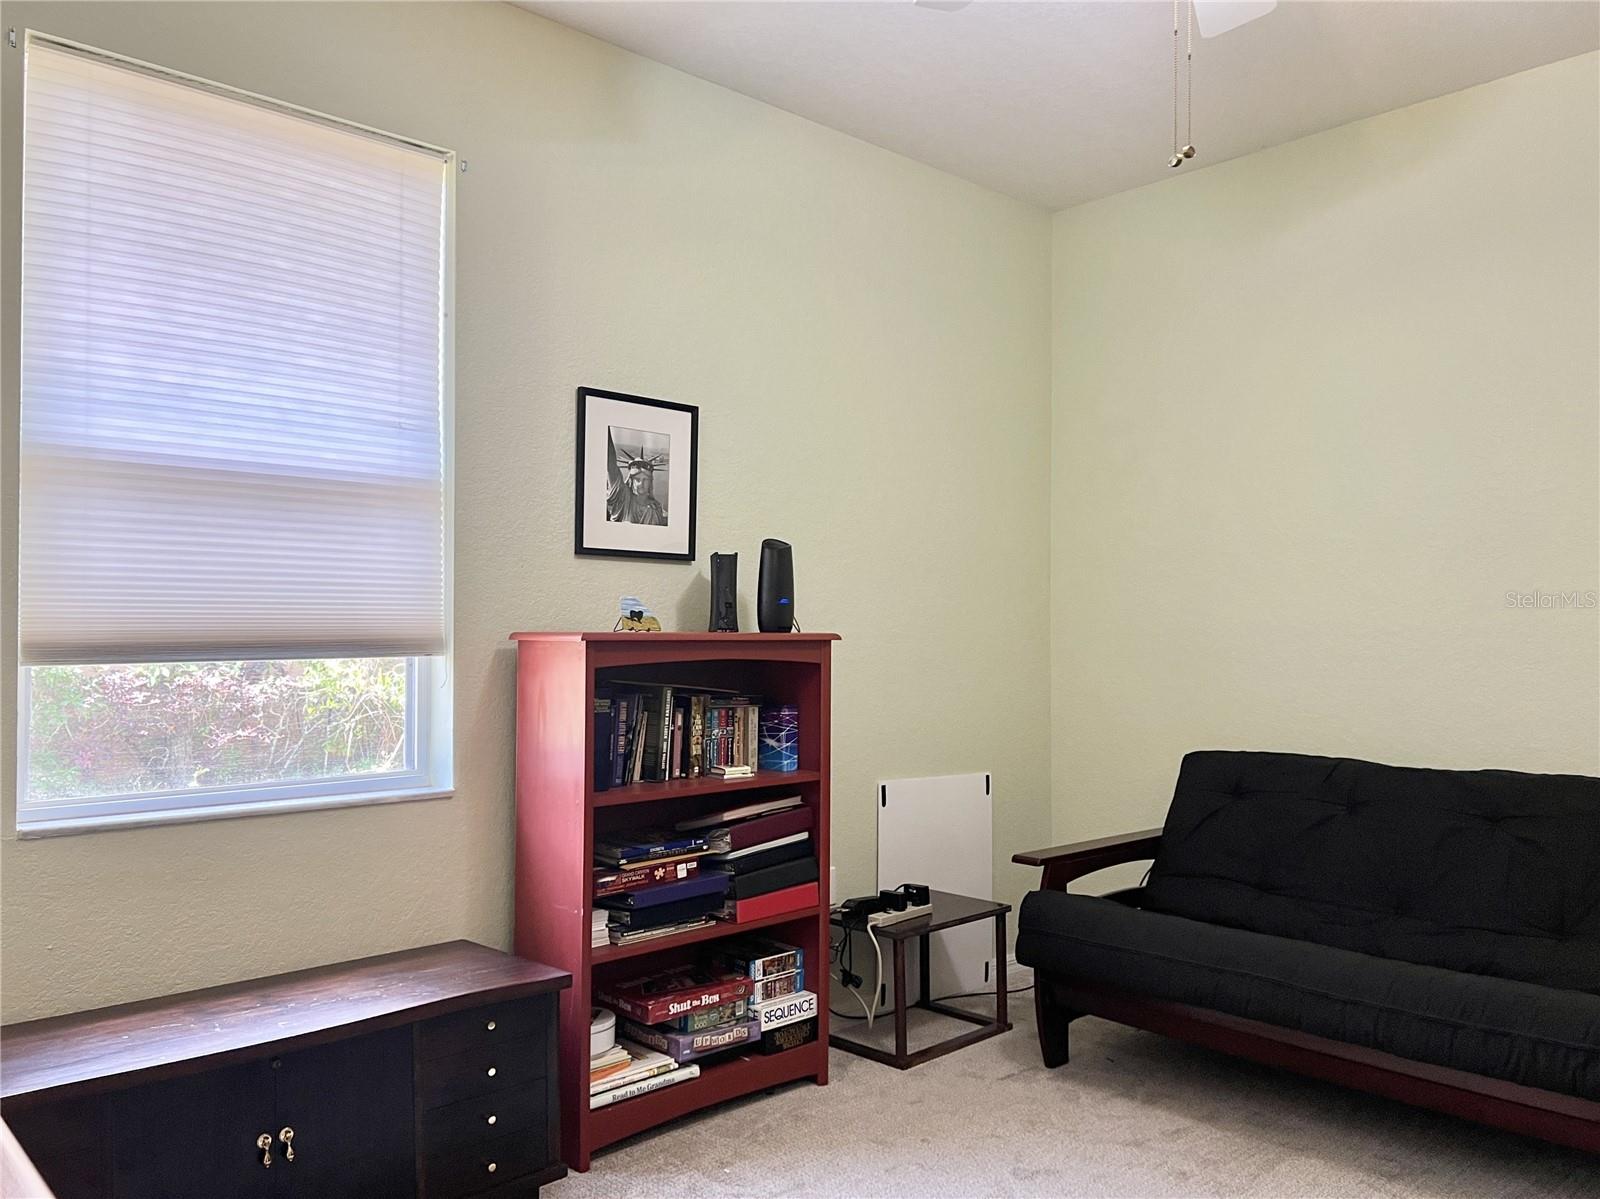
{"x":232,"y":376}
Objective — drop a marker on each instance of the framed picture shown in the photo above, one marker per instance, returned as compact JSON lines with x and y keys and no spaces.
{"x":638,"y":460}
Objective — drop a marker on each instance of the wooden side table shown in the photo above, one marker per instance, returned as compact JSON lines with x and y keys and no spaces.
{"x":948,"y":911}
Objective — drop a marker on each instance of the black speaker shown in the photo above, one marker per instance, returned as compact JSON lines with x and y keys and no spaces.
{"x":775,"y":588}
{"x":724,"y":593}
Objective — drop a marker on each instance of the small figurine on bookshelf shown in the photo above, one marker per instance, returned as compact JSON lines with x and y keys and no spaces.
{"x":635,"y":617}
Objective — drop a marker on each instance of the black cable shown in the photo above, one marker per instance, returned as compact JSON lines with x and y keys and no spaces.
{"x":1010,"y":991}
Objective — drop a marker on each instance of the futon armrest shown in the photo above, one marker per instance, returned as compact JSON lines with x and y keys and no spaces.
{"x":1063,"y":863}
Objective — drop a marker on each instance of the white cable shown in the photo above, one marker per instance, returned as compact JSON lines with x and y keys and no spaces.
{"x":877,"y":989}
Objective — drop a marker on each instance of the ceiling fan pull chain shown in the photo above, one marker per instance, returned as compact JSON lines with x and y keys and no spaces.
{"x":1177,"y":157}
{"x":1188,"y":141}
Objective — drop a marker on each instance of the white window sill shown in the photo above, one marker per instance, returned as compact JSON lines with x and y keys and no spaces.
{"x":37,"y":828}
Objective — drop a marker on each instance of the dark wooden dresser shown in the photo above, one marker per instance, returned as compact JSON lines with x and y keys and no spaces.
{"x":428,"y":1073}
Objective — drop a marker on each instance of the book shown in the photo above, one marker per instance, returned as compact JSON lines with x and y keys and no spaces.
{"x":771,"y":878}
{"x":708,"y":1017}
{"x":732,"y":855}
{"x":758,"y":957}
{"x":759,"y":857}
{"x":638,"y":848}
{"x":645,"y":1085}
{"x":657,"y":731}
{"x":686,"y":1046}
{"x":622,"y":711}
{"x":628,"y":936}
{"x":759,"y":830}
{"x":774,"y":903}
{"x":668,"y":893}
{"x":788,"y":1036}
{"x":760,"y":807}
{"x":777,"y":986}
{"x":638,"y":741}
{"x":610,"y":1070}
{"x":662,"y":915}
{"x":610,"y":880}
{"x":697,"y":727}
{"x":666,"y":994}
{"x":784,"y":1009}
{"x":733,"y":772}
{"x":637,"y":1063}
{"x":604,"y":743}
{"x":607,"y":1058}
{"x":659,"y":702}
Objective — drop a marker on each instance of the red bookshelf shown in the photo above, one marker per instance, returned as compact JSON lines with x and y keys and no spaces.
{"x":558,"y":813}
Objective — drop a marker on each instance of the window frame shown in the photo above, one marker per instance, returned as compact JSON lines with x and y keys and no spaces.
{"x":430,"y":680}
{"x":426,"y":692}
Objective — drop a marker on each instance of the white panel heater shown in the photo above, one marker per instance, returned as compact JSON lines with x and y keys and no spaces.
{"x":940,"y":831}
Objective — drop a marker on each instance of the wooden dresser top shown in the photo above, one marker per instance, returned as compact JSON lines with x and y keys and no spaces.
{"x":199,"y":1030}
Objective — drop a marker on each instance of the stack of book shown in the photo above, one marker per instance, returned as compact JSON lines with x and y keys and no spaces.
{"x":599,"y":928}
{"x":685,"y":1014}
{"x":625,"y":1070}
{"x":650,"y":732}
{"x":650,"y":884}
{"x":778,"y":995}
{"x":764,"y":852}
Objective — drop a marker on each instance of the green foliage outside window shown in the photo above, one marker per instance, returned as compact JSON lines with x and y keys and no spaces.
{"x":111,"y":730}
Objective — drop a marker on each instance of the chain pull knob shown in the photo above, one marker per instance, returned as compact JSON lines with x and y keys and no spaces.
{"x":264,"y":1143}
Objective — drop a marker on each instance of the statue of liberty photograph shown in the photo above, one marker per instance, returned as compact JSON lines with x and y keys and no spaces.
{"x":636,"y":470}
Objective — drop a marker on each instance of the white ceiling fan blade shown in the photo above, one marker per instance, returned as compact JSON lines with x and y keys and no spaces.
{"x":1219,"y":16}
{"x":942,"y":5}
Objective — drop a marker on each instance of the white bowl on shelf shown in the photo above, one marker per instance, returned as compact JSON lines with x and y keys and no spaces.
{"x":602,"y":1031}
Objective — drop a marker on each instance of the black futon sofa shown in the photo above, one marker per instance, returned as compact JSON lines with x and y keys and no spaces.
{"x":1429,"y":935}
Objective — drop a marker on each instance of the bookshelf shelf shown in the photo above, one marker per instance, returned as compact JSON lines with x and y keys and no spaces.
{"x":714,"y":932}
{"x":694,"y":788}
{"x":557,"y":812}
{"x":718,"y":1082}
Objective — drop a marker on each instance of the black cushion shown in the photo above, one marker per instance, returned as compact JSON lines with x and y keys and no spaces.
{"x":1525,"y":1033}
{"x":1488,"y":871}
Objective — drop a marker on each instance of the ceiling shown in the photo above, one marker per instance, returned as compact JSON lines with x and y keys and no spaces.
{"x":1059,"y":103}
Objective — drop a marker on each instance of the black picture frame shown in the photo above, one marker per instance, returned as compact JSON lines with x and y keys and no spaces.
{"x":588,"y":542}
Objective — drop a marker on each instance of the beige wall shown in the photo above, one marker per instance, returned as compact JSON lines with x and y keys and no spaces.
{"x":868,"y":341}
{"x":1316,"y":411}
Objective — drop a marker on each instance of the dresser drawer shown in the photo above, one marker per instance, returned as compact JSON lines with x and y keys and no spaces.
{"x":478,"y":1072}
{"x":492,"y":1164}
{"x":484,"y":1118}
{"x":492,"y":1024}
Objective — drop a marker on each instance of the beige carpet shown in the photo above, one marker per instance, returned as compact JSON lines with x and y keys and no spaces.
{"x":1132,"y":1114}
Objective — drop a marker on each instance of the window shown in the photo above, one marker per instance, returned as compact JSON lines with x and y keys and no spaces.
{"x":234,"y":507}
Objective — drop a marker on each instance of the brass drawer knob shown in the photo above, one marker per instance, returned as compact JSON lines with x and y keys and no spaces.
{"x":264,"y":1143}
{"x":489,"y":1026}
{"x":494,"y":1119}
{"x":493,"y":1167}
{"x":492,"y":1071}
